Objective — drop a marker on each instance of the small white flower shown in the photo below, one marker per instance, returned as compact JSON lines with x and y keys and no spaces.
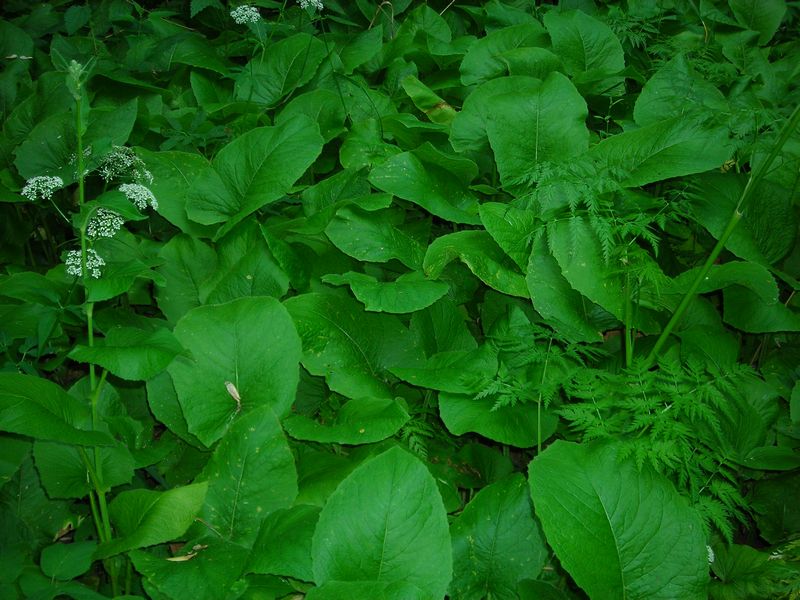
{"x":104,"y":223}
{"x":245,"y":14}
{"x":139,"y":195}
{"x":711,"y":556}
{"x":41,"y":187}
{"x":317,"y":4}
{"x":123,"y":162}
{"x":93,"y":263}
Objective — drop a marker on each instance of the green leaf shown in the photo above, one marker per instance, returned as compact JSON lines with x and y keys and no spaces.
{"x":408,"y":293}
{"x":283,"y":546}
{"x":763,"y":16}
{"x":163,"y":402}
{"x":187,"y":263}
{"x":323,"y":106}
{"x":12,"y":452}
{"x":374,"y":590}
{"x":48,"y":148}
{"x":399,"y":536}
{"x":351,"y":348}
{"x":675,"y":90}
{"x":488,"y":57}
{"x":482,"y":255}
{"x":750,"y":275}
{"x":374,"y":236}
{"x":250,"y":343}
{"x":615,"y":528}
{"x":584,"y":44}
{"x":516,"y":425}
{"x":250,"y":475}
{"x":577,"y":249}
{"x":254,"y":170}
{"x":67,"y":561}
{"x":360,"y":421}
{"x":669,"y":148}
{"x":433,"y":105}
{"x":131,"y":353}
{"x":63,"y":472}
{"x":43,"y":410}
{"x":747,"y":311}
{"x":544,"y":125}
{"x":173,"y":176}
{"x":563,"y":307}
{"x":286,"y":65}
{"x":144,"y":518}
{"x":512,"y":228}
{"x":496,"y":542}
{"x":361,"y":47}
{"x":457,"y":371}
{"x":437,"y":182}
{"x":208,"y":575}
{"x":244,"y":267}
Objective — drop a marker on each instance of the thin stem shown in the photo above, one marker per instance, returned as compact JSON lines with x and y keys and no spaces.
{"x":752,"y":184}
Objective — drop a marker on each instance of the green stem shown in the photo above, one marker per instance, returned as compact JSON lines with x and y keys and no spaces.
{"x":628,"y":341}
{"x":752,"y":184}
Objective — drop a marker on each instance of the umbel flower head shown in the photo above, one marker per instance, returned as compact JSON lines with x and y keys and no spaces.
{"x":123,"y":162}
{"x":139,"y":195}
{"x":93,"y":263}
{"x":41,"y":187}
{"x":317,"y":4}
{"x":245,"y":14}
{"x":104,"y":223}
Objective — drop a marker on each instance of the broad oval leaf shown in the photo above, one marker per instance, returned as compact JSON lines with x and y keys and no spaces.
{"x":283,"y":546}
{"x":253,"y":170}
{"x":359,"y":421}
{"x":385,"y":523}
{"x":250,"y":343}
{"x":496,"y":543}
{"x":615,"y":528}
{"x":486,"y":58}
{"x":408,"y":293}
{"x":250,"y":475}
{"x":351,"y":348}
{"x":584,"y":44}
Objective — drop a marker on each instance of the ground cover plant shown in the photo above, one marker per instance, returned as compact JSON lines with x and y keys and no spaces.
{"x":400,"y":300}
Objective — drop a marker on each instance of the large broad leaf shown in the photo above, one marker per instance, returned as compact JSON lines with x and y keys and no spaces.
{"x":674,"y":90}
{"x":747,"y":311}
{"x":43,"y":410}
{"x":67,"y":561}
{"x":250,"y":344}
{"x":437,"y":182}
{"x":528,"y":130}
{"x":207,"y":573}
{"x":283,"y":546}
{"x":374,"y":590}
{"x":487,"y":58}
{"x":374,"y":236}
{"x":496,"y":543}
{"x":187,"y":263}
{"x":577,"y":249}
{"x":768,"y":228}
{"x":564,"y":308}
{"x":617,"y":529}
{"x":408,"y":293}
{"x":482,"y":255}
{"x":520,"y":425}
{"x":245,"y":267}
{"x":131,"y":353}
{"x":255,"y":169}
{"x":250,"y":475}
{"x":457,"y":371}
{"x":360,"y":421}
{"x":668,"y":148}
{"x":286,"y":65}
{"x":763,"y":16}
{"x":385,"y":523}
{"x":584,"y":44}
{"x":144,"y":518}
{"x":351,"y":348}
{"x":512,"y":228}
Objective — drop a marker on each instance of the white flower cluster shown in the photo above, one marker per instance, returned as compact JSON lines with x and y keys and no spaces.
{"x":317,"y":4}
{"x":104,"y":223}
{"x":93,"y":263}
{"x":245,"y":14}
{"x":139,"y":195}
{"x":41,"y":187}
{"x":711,"y":556}
{"x":123,"y":162}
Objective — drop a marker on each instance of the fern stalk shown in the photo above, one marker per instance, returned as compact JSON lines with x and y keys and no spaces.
{"x":752,"y":183}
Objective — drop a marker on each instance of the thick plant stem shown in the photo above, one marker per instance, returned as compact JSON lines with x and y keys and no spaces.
{"x":752,"y":183}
